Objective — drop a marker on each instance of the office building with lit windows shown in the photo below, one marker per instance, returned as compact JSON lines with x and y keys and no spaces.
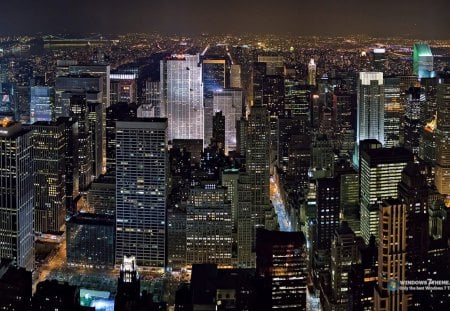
{"x":381,"y":170}
{"x":141,"y":183}
{"x":16,"y":194}
{"x":442,"y":168}
{"x":393,"y":111}
{"x":49,"y":152}
{"x":370,"y":109}
{"x":209,"y":226}
{"x":41,"y":103}
{"x":182,"y":96}
{"x":391,"y":257}
{"x":282,"y":265}
{"x":230,"y":102}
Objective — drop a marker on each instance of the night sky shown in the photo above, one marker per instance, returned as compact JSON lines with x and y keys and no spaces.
{"x":418,"y":18}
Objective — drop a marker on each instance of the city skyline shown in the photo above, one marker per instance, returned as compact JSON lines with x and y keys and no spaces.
{"x":416,"y":18}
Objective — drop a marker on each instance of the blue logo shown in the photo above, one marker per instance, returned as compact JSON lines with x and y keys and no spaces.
{"x":392,"y":285}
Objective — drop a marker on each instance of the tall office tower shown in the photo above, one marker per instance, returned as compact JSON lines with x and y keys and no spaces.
{"x":343,"y":255}
{"x":241,"y":136}
{"x":296,"y":98}
{"x":379,"y":57}
{"x":9,"y":105}
{"x":363,"y":278}
{"x":427,"y":142}
{"x":218,"y":134}
{"x":312,"y":69}
{"x":176,"y":236}
{"x":209,"y":226}
{"x":113,"y":114}
{"x":423,"y":61}
{"x":182,"y":96}
{"x":213,"y":79}
{"x":101,"y":196}
{"x":152,"y":106}
{"x":370,"y":110}
{"x":257,"y":165}
{"x":281,"y":263}
{"x":71,"y":160}
{"x":393,"y":111}
{"x":246,"y":257}
{"x":257,"y":83}
{"x":141,"y":184}
{"x":442,"y":168}
{"x":86,"y":77}
{"x":429,"y":86}
{"x":230,"y":102}
{"x":381,"y":170}
{"x":291,"y":130}
{"x":274,"y":64}
{"x":95,"y":116}
{"x":322,"y":157}
{"x":343,"y":111}
{"x":391,"y":256}
{"x":90,"y":240}
{"x":49,"y":156}
{"x":349,"y":194}
{"x":415,"y":100}
{"x":78,"y":107}
{"x":235,"y":76}
{"x":16,"y":194}
{"x":327,"y":219}
{"x":41,"y":103}
{"x":123,"y":87}
{"x":413,"y":192}
{"x":230,"y":180}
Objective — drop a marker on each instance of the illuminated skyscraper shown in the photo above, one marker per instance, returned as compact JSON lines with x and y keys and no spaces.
{"x":281,"y":263}
{"x":41,"y":103}
{"x":182,"y":96}
{"x":370,"y":109}
{"x":229,"y":101}
{"x":423,"y":61}
{"x":141,"y":173}
{"x":49,"y":152}
{"x":235,"y":76}
{"x":442,"y":168}
{"x":16,"y":195}
{"x":381,"y":170}
{"x":393,"y":111}
{"x":312,"y":68}
{"x":391,"y":257}
{"x":209,"y":226}
{"x":415,"y":101}
{"x":343,"y":255}
{"x":274,"y":64}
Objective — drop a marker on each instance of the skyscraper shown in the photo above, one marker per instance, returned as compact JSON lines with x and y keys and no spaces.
{"x":312,"y":68}
{"x":343,"y":255}
{"x":182,"y":96}
{"x":230,"y":102}
{"x":16,"y":194}
{"x":415,"y":99}
{"x":381,"y":170}
{"x":209,"y":226}
{"x":41,"y":103}
{"x":423,"y":61}
{"x":442,"y":168}
{"x":370,"y":109}
{"x":393,"y":111}
{"x":141,"y":179}
{"x":391,"y":257}
{"x":281,"y":263}
{"x":49,"y":156}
